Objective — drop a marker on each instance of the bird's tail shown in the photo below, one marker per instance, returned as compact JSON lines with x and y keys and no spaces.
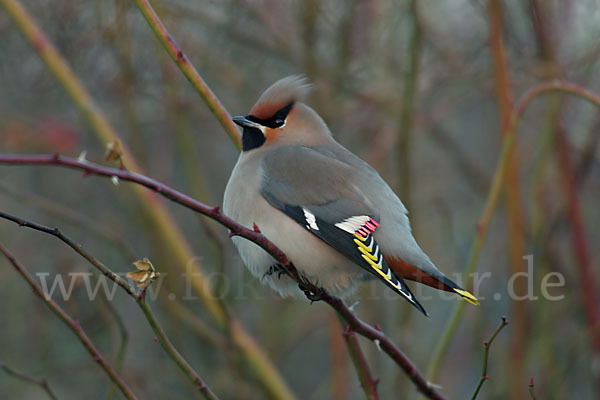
{"x":467,"y":296}
{"x":433,"y":277}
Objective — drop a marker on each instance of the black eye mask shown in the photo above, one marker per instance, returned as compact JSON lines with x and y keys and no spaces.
{"x":276,"y":121}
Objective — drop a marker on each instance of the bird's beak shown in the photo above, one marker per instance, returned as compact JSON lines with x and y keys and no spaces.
{"x":245,"y":122}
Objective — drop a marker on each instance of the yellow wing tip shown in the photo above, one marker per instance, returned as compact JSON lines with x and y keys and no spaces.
{"x":467,"y":296}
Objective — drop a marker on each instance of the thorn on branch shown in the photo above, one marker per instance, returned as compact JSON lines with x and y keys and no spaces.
{"x":353,"y":306}
{"x":377,"y":344}
{"x":255,"y":227}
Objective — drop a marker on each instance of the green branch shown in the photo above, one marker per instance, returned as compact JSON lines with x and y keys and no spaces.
{"x":492,"y":200}
{"x":189,"y":71}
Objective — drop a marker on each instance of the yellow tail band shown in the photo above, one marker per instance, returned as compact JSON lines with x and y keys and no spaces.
{"x":467,"y":296}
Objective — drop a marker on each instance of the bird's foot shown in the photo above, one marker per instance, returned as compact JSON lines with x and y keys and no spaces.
{"x":275,"y":269}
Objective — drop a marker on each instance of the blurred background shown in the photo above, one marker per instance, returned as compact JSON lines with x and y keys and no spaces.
{"x":421,"y":90}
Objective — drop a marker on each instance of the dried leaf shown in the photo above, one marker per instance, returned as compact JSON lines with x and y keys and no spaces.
{"x":145,"y":272}
{"x":114,"y":150}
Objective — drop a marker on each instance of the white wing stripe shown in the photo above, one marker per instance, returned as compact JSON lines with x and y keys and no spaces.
{"x":311,"y":220}
{"x":352,"y":224}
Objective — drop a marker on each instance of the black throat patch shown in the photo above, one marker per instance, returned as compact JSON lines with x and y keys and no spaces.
{"x":252,"y":138}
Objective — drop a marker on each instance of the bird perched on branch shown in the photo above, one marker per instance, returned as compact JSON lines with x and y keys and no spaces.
{"x":330,"y":212}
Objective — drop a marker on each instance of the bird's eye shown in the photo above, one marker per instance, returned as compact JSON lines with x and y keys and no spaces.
{"x":279,"y":122}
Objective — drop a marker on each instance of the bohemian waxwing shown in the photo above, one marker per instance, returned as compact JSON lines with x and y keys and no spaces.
{"x":330,"y":212}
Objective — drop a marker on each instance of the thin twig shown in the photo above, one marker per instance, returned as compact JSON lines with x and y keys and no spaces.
{"x":512,"y":192}
{"x":189,"y":71}
{"x":492,"y":199}
{"x":55,"y":232}
{"x":486,"y":345}
{"x":101,"y":231}
{"x":101,"y":126}
{"x":579,"y":238}
{"x":42,"y":383}
{"x":365,"y":376}
{"x":531,"y":391}
{"x":407,"y":112}
{"x":120,"y":357}
{"x":313,"y":292}
{"x":72,"y":324}
{"x":172,"y":351}
{"x":138,"y":297}
{"x":172,"y":236}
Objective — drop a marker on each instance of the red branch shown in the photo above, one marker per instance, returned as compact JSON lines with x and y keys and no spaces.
{"x":72,"y":324}
{"x":312,"y":292}
{"x":365,"y":376}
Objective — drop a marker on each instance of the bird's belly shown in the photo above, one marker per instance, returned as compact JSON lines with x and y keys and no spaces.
{"x":312,"y":257}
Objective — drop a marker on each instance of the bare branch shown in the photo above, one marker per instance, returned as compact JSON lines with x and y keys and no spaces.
{"x":493,"y":195}
{"x":72,"y":324}
{"x":312,"y":292}
{"x":486,"y":345}
{"x":189,"y":71}
{"x":138,"y":297}
{"x":531,"y":392}
{"x":365,"y":376}
{"x":42,"y":383}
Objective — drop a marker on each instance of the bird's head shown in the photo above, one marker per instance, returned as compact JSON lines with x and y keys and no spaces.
{"x":280,"y":117}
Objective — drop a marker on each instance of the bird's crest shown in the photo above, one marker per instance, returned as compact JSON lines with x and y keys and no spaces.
{"x":284,"y":92}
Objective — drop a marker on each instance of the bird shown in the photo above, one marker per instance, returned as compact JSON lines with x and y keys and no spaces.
{"x":329,"y":211}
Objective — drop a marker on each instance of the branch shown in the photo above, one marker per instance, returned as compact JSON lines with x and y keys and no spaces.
{"x":269,"y":375}
{"x":42,"y":383}
{"x":531,"y":392}
{"x":120,"y":357}
{"x":106,"y":133}
{"x":72,"y":324}
{"x":365,"y":376}
{"x":312,"y":292}
{"x":138,"y":297}
{"x":189,"y":71}
{"x":512,"y":192}
{"x":72,"y":217}
{"x":407,"y":112}
{"x":172,"y":351}
{"x":493,"y":195}
{"x":486,"y":345}
{"x":55,"y":232}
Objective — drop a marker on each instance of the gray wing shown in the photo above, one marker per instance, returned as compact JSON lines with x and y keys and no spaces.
{"x":321,"y":193}
{"x":302,"y":176}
